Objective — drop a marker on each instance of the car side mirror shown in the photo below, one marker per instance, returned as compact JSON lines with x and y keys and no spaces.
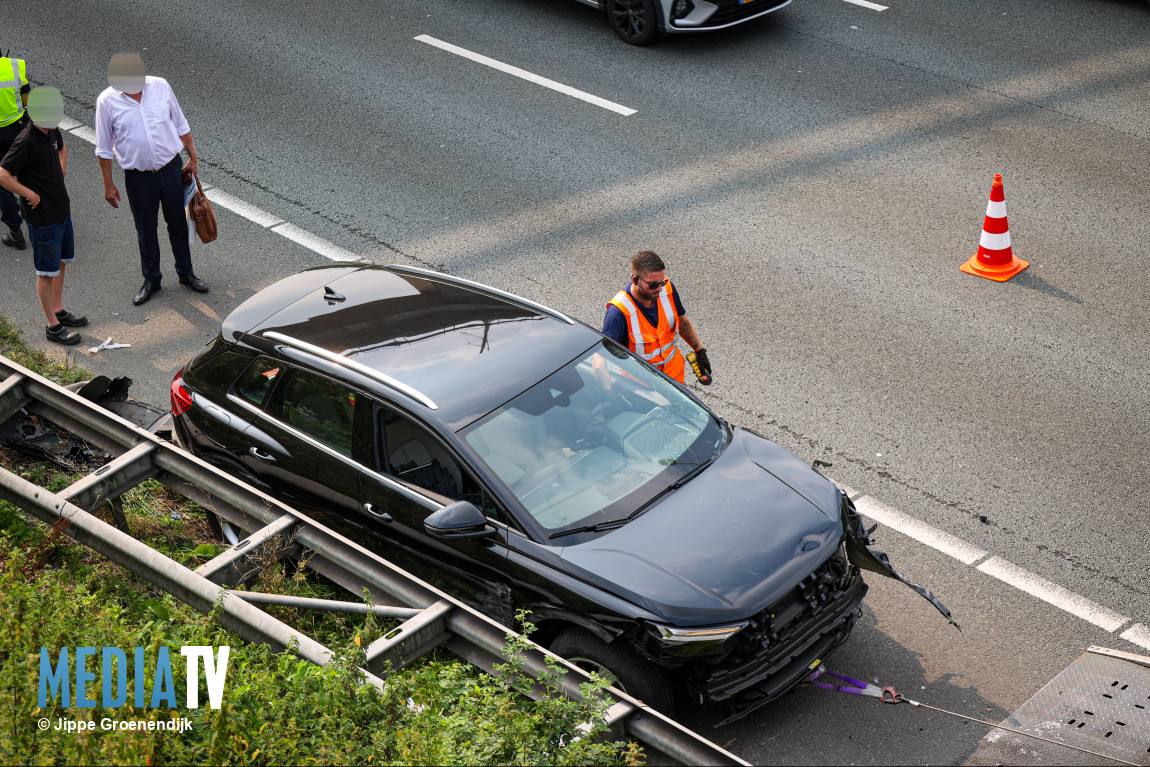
{"x":458,"y":520}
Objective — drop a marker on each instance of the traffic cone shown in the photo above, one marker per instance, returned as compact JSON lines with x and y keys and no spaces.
{"x":994,"y":259}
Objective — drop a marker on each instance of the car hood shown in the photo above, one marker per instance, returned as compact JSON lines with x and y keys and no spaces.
{"x":726,"y":545}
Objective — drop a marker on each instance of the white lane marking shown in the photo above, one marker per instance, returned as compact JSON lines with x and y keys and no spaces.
{"x":524,"y":74}
{"x":241,"y":208}
{"x":920,"y":531}
{"x":865,"y":4}
{"x":1137,"y":634}
{"x":86,"y":133}
{"x":312,"y":242}
{"x":1063,"y":599}
{"x":246,"y":210}
{"x":68,"y":123}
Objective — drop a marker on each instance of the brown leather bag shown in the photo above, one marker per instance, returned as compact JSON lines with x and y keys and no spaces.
{"x":200,"y":210}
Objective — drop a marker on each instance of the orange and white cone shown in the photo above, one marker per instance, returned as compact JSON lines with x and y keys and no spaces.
{"x":994,"y":259}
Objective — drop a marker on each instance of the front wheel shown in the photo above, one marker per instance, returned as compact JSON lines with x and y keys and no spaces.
{"x":615,"y":663}
{"x":634,"y":21}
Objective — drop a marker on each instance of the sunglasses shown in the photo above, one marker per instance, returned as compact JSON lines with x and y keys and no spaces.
{"x":652,"y":285}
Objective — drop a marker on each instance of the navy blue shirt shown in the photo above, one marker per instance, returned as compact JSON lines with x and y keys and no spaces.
{"x":615,"y":322}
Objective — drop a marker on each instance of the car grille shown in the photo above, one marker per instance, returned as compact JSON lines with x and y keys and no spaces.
{"x":807,"y":600}
{"x":812,"y":619}
{"x":732,"y":11}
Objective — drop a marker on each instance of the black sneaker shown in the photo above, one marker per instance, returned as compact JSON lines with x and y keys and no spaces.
{"x":15,"y":239}
{"x":62,"y":335}
{"x":65,"y":317}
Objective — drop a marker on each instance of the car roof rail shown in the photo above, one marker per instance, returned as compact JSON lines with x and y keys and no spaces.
{"x":351,"y":364}
{"x":511,"y":297}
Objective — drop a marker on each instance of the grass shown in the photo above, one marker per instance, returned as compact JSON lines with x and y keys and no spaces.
{"x":13,"y":347}
{"x":277,"y":709}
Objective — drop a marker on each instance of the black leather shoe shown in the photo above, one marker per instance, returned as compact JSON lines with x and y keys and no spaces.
{"x":62,"y":335}
{"x":65,"y":317}
{"x":146,"y":292}
{"x":15,"y":239}
{"x":194,"y":282}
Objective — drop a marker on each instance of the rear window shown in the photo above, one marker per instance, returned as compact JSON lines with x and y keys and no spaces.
{"x":257,"y":381}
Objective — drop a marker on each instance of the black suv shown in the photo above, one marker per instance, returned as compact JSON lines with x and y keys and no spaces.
{"x":516,"y":459}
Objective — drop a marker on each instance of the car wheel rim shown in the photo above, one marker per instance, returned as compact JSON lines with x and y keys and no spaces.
{"x":629,"y":18}
{"x":230,"y":533}
{"x":589,"y":665}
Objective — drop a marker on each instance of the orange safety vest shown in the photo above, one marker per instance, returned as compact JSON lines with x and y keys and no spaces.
{"x":654,"y":344}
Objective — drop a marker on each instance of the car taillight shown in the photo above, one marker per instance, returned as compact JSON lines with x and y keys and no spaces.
{"x":181,"y":397}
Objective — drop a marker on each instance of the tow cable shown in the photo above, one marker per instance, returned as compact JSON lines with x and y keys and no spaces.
{"x":888,"y":695}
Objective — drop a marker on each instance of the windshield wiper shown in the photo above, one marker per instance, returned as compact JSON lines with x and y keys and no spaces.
{"x":674,"y":485}
{"x":614,"y":523}
{"x":595,"y":528}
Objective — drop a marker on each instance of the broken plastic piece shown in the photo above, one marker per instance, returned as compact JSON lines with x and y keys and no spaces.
{"x":860,"y":553}
{"x":107,"y":344}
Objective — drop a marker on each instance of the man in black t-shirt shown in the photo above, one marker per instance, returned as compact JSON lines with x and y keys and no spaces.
{"x":34,"y":169}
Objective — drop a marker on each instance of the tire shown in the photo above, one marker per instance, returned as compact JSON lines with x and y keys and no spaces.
{"x":625,"y":670}
{"x":634,"y":21}
{"x":225,"y":531}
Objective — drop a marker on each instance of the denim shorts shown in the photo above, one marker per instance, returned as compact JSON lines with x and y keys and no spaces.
{"x":52,"y":245}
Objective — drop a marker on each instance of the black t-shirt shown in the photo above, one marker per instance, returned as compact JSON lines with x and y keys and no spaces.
{"x":34,"y":160}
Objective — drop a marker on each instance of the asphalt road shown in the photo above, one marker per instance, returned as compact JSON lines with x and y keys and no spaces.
{"x":814,"y":181}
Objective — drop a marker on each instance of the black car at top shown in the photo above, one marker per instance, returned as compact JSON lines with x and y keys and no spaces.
{"x":518,"y":460}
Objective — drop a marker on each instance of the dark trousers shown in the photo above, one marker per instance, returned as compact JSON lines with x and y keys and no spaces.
{"x":9,"y":205}
{"x":147,"y":193}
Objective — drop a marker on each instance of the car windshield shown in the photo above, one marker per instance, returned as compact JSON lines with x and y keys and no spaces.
{"x":596,"y":440}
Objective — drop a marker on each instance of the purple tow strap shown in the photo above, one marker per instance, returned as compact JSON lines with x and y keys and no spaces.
{"x":853,"y":686}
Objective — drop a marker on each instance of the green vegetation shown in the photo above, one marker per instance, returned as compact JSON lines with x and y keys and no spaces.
{"x":277,"y":709}
{"x":13,"y":347}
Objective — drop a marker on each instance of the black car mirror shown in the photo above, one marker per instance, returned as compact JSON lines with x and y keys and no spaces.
{"x":458,"y":520}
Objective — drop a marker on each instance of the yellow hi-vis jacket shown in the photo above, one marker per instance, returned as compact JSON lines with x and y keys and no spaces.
{"x":655,"y":345}
{"x":12,"y":79}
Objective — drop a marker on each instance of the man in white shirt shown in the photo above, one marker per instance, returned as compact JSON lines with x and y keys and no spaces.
{"x":140,"y":123}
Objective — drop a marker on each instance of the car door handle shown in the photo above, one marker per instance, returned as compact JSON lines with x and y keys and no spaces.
{"x":382,"y":516}
{"x":261,"y":455}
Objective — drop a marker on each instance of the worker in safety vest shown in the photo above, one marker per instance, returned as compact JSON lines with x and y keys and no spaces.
{"x":14,"y":89}
{"x":647,"y":314}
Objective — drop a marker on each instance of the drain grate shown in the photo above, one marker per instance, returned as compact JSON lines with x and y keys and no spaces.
{"x":1100,"y":702}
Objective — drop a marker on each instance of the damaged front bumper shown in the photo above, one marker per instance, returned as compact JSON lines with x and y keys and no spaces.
{"x":779,"y":647}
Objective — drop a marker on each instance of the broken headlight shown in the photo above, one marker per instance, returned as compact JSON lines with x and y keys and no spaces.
{"x":705,"y":640}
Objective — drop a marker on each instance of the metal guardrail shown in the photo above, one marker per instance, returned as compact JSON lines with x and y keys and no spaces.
{"x":431,"y":617}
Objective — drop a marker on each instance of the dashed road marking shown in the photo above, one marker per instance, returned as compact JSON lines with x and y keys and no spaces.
{"x":920,"y":531}
{"x":84,"y":132}
{"x":865,"y":4}
{"x":1137,"y":634}
{"x":996,"y":567}
{"x":312,"y":242}
{"x":246,"y":210}
{"x":1063,"y":599}
{"x":241,"y":208}
{"x":525,"y":75}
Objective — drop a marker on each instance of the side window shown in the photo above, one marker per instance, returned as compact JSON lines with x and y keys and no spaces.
{"x":412,"y":454}
{"x":255,"y":383}
{"x":319,"y":407}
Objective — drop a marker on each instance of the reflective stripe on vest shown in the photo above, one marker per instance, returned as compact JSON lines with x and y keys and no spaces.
{"x":655,"y":356}
{"x":10,"y":112}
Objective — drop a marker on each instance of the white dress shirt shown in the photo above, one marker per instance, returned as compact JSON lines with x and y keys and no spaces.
{"x":144,"y":135}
